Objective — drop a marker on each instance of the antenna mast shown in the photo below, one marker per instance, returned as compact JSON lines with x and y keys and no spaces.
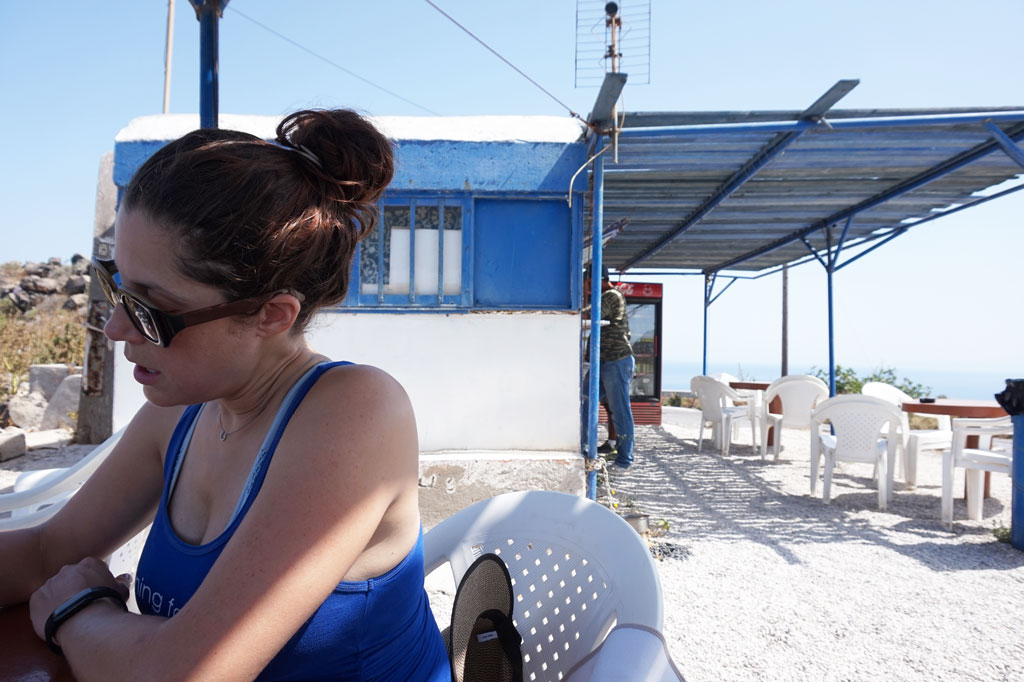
{"x":632,"y":48}
{"x":613,"y":22}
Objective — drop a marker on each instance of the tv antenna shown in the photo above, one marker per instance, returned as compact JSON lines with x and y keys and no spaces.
{"x":613,"y":37}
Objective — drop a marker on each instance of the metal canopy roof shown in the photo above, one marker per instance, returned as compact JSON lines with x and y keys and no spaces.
{"x":749,"y":191}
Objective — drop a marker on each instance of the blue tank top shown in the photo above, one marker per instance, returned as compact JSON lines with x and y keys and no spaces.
{"x":377,"y":629}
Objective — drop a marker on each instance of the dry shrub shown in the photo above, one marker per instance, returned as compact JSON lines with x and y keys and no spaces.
{"x":679,"y":399}
{"x":36,"y":338}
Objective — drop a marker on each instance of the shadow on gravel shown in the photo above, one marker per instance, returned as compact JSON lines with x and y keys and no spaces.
{"x":743,"y":497}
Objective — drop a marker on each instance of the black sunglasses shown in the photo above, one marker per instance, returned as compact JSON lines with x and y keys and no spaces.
{"x":159,"y":327}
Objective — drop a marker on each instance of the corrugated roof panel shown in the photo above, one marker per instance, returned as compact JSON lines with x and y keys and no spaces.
{"x":824,"y":174}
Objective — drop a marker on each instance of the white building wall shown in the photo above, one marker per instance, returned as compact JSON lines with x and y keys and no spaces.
{"x":478,"y":381}
{"x":495,"y":395}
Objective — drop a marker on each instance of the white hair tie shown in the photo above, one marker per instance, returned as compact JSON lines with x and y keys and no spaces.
{"x":305,"y":151}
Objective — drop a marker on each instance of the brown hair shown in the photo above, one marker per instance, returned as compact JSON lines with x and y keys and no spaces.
{"x":255,"y":217}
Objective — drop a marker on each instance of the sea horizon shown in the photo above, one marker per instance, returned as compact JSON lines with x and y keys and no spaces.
{"x":980,"y":384}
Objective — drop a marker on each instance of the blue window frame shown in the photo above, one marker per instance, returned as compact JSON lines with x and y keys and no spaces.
{"x":417,"y":255}
{"x":461,"y":251}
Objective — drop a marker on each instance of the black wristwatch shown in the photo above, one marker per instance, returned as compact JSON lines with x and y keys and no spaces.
{"x":72,"y":606}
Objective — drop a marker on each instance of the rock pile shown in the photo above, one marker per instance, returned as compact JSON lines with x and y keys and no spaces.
{"x":48,"y":285}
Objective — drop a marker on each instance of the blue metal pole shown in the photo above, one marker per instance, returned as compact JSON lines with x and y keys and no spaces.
{"x":709,"y":283}
{"x":831,"y":337}
{"x":596,"y":268}
{"x":1017,"y":476}
{"x":833,"y":258}
{"x":208,"y":15}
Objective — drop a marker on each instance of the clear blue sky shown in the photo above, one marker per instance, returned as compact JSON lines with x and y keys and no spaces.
{"x":936,"y":298}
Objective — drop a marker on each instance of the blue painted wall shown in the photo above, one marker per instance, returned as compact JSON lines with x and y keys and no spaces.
{"x":523,"y":242}
{"x":487,"y":166}
{"x":523,"y":254}
{"x":440,"y":165}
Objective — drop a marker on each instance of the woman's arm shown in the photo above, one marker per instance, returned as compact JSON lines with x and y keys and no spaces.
{"x":116,"y":501}
{"x":341,"y":488}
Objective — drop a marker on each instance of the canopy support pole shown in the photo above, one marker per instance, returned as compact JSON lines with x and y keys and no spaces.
{"x":709,"y":287}
{"x":829,"y":271}
{"x":832,"y":251}
{"x":784,"y":369}
{"x":596,"y":268}
{"x":709,"y":284}
{"x":1017,"y":480}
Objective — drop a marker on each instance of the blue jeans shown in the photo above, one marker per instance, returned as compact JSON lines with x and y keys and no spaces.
{"x":615,"y":378}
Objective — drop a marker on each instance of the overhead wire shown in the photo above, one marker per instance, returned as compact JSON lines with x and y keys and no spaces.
{"x":513,"y":66}
{"x":328,"y":61}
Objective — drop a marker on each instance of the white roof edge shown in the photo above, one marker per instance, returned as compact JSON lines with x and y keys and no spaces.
{"x":559,"y":129}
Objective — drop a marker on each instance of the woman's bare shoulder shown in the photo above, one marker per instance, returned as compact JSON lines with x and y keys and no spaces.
{"x":361,"y":410}
{"x":362,"y":387}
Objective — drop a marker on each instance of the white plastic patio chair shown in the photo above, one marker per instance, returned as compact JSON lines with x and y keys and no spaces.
{"x":974,"y":461}
{"x":750,"y":396}
{"x":916,"y":440}
{"x":577,"y":570}
{"x":747,"y":394}
{"x":717,"y":406}
{"x":629,"y":652}
{"x":38,"y":495}
{"x":864,"y":429}
{"x":799,"y":395}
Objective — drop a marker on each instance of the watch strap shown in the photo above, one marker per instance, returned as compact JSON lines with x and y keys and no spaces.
{"x":72,"y":606}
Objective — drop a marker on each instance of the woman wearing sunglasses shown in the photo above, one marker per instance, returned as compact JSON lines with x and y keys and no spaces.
{"x":282,"y":487}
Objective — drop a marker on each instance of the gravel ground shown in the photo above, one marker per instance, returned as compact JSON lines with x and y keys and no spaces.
{"x":761,"y":581}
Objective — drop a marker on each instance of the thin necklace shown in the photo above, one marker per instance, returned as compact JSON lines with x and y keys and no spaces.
{"x":220,"y":411}
{"x":224,"y":434}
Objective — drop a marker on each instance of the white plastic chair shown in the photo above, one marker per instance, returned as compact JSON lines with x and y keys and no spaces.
{"x":717,"y":406}
{"x":629,"y":652}
{"x":866,"y":429}
{"x":799,"y":395}
{"x":747,"y":394}
{"x":38,"y":495}
{"x":974,"y":461}
{"x":750,"y":396}
{"x":577,"y":569}
{"x":916,"y":440}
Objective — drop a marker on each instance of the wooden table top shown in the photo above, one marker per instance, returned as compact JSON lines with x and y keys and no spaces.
{"x":751,"y":385}
{"x":976,"y":409}
{"x":23,"y":656}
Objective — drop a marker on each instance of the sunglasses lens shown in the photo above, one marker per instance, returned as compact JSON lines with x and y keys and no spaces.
{"x":107,"y":285}
{"x":142,"y":318}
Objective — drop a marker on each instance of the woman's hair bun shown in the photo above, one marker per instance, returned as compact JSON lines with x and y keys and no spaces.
{"x":251,"y":217}
{"x":342,"y":147}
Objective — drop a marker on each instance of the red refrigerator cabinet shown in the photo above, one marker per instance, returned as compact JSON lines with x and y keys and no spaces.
{"x":643,"y":308}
